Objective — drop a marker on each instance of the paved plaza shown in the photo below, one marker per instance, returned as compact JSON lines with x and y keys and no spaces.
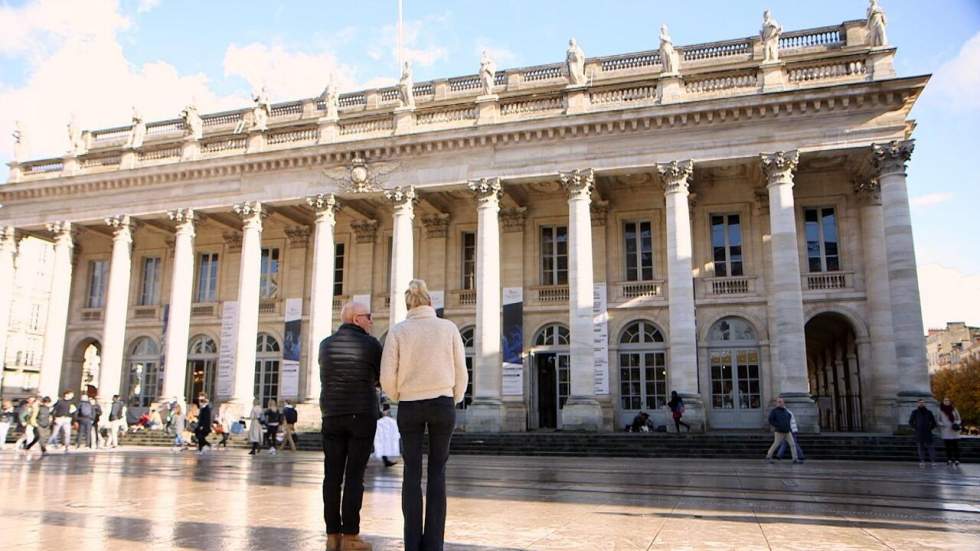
{"x":154,"y":499}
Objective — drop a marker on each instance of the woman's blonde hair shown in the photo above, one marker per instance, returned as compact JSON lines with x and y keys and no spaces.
{"x":417,"y":294}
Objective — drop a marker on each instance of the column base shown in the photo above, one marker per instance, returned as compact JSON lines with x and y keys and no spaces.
{"x":694,"y":413}
{"x":485,"y":415}
{"x":905,"y":404}
{"x":581,"y":414}
{"x":308,"y":417}
{"x":884,"y":415}
{"x":804,"y":410}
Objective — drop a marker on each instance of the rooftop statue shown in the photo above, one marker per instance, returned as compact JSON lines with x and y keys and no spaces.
{"x":488,"y":73}
{"x":193,"y":125}
{"x":669,"y":59}
{"x":406,"y":93}
{"x":575,"y":60}
{"x":76,"y":144}
{"x":329,"y":97}
{"x":261,"y":111}
{"x":770,"y":33}
{"x":20,"y":143}
{"x":137,"y":132}
{"x":876,"y":25}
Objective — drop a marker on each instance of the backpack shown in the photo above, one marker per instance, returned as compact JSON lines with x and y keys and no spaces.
{"x":291,"y":415}
{"x":44,"y":417}
{"x":85,"y":410}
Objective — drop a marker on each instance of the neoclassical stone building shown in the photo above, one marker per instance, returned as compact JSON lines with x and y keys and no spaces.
{"x":728,"y":220}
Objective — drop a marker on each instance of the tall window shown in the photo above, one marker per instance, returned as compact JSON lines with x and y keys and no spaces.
{"x":469,"y":260}
{"x":35,"y":317}
{"x":642,"y":367}
{"x":145,"y":381}
{"x":338,"y":269}
{"x":150,"y":288}
{"x":726,"y":243}
{"x":820,"y":226}
{"x":638,"y":249}
{"x":202,"y":362}
{"x":269,"y":281}
{"x":554,"y":255}
{"x":98,"y":279}
{"x":390,"y":250}
{"x":468,"y":347}
{"x":267,"y":359}
{"x":207,"y":278}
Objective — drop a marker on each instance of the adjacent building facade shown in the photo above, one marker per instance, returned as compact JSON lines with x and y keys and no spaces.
{"x":952,"y":345}
{"x":728,"y":220}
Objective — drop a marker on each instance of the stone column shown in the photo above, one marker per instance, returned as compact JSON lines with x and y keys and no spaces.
{"x":57,"y":320}
{"x":116,"y":307}
{"x":582,"y":411}
{"x":321,"y":296}
{"x":854,"y":387}
{"x":883,"y":364}
{"x":181,"y":297}
{"x":786,"y":292}
{"x":486,"y":414}
{"x":402,"y":251}
{"x":8,"y":250}
{"x":903,"y":278}
{"x":250,"y":272}
{"x":683,"y":372}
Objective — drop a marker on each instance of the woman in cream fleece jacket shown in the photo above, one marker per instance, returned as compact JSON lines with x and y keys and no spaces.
{"x":423,"y":368}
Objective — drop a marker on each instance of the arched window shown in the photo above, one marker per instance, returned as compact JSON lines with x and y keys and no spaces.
{"x":555,"y":334}
{"x":267,"y":360}
{"x":145,"y":382}
{"x":202,"y":362}
{"x":642,"y":367}
{"x":468,"y":347}
{"x":734,"y":363}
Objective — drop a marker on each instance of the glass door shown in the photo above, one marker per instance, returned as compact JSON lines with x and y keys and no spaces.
{"x":736,"y":396}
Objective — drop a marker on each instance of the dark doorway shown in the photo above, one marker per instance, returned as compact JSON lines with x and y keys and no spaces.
{"x":547,"y":390}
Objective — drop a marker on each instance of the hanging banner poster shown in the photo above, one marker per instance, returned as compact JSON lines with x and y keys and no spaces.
{"x":438,"y":302}
{"x":226,"y":353}
{"x":512,"y":345}
{"x":292,"y":347}
{"x":600,"y":339}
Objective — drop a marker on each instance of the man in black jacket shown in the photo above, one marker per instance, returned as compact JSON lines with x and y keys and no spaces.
{"x":781,"y":422}
{"x":203,"y":428}
{"x":923,"y":422}
{"x":350,"y":365}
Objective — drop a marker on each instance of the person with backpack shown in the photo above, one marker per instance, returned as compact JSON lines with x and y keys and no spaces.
{"x":97,"y":423}
{"x":7,"y":418}
{"x":117,"y":420}
{"x":273,"y":418}
{"x":676,"y":405}
{"x":24,"y":414}
{"x":781,"y":421}
{"x":64,"y":412}
{"x":203,"y":428}
{"x":289,"y":416}
{"x":42,"y":426}
{"x":85,"y":418}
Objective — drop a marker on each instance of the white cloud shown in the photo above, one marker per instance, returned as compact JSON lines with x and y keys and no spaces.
{"x":959,"y":79}
{"x":147,"y":5}
{"x":286,"y":74}
{"x":418,"y":43}
{"x":82,"y":69}
{"x":504,"y":57}
{"x":931,"y":199}
{"x":948,"y":295}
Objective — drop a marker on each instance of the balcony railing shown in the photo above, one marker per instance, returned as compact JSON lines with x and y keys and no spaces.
{"x":91,"y":314}
{"x":549,"y":294}
{"x":338,"y":302}
{"x":463,"y":297}
{"x":828,"y":281}
{"x":269,"y":306}
{"x":203,"y":310}
{"x":637,"y":290}
{"x":146,"y":312}
{"x":728,"y":286}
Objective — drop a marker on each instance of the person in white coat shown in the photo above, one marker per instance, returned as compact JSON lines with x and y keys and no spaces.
{"x":950,"y":422}
{"x":255,"y":432}
{"x":387,"y":439}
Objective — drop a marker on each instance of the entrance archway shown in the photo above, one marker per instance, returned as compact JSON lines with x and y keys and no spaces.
{"x":202,"y":364}
{"x":82,"y":368}
{"x":550,"y":376}
{"x":835,"y":371}
{"x":734,"y":375}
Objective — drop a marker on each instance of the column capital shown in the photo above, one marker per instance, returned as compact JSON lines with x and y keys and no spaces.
{"x":486,"y":191}
{"x":512,"y":219}
{"x":891,"y":157}
{"x":436,"y":225}
{"x":63,"y":232}
{"x":122,"y":226}
{"x":251,"y":213}
{"x":183,"y":218}
{"x":868,"y":190}
{"x":578,"y":183}
{"x":403,"y":198}
{"x":365,"y":231}
{"x":676,"y":175}
{"x":325,"y":205}
{"x":779,"y":166}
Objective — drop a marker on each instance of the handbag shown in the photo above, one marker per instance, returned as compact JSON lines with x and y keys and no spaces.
{"x":956,"y":427}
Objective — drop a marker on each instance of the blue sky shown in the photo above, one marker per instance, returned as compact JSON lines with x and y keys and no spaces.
{"x":97,"y":58}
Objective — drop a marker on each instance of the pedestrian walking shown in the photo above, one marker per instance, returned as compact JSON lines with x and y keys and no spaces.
{"x":24,"y":413}
{"x":42,"y":427}
{"x":64,"y":412}
{"x":387,"y":439}
{"x":222,"y":426}
{"x":951,"y":423}
{"x":423,"y":368}
{"x":84,"y":417}
{"x":794,"y":429}
{"x":178,"y":424}
{"x":117,"y":420}
{"x":203,"y":428}
{"x":289,"y":419}
{"x":7,"y":418}
{"x":350,"y":365}
{"x":781,"y":422}
{"x":273,"y":418}
{"x":97,"y":423}
{"x":255,"y":427}
{"x":923,"y":422}
{"x":676,"y":405}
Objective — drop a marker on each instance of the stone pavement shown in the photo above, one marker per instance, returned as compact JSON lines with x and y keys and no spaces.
{"x":154,"y":499}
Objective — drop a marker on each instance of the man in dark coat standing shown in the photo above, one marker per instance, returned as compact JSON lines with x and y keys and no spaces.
{"x":782,"y":427}
{"x":203,"y":428}
{"x":923,"y":422}
{"x":350,"y":365}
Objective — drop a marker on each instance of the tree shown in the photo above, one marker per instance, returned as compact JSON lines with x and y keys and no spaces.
{"x":961,"y":384}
